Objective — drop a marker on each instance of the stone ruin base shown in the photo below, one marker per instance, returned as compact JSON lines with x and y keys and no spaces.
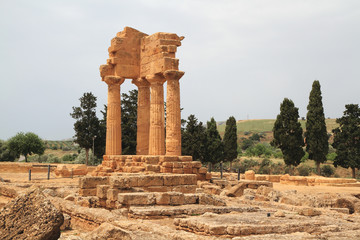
{"x":151,"y":164}
{"x":126,"y":189}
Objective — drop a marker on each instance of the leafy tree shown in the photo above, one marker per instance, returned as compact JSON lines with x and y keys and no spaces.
{"x":87,"y":124}
{"x":288,"y":133}
{"x":215,"y":147}
{"x":129,"y":122}
{"x":316,"y":136}
{"x":193,"y":139}
{"x":246,"y":143}
{"x":230,"y":140}
{"x":100,"y":140}
{"x":26,"y":144}
{"x":255,"y":137}
{"x":347,"y":139}
{"x":5,"y":154}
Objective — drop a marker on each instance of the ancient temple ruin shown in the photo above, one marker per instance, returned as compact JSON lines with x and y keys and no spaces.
{"x":150,"y":62}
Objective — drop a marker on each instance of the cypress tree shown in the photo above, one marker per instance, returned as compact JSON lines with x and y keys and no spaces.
{"x":215,"y":147}
{"x":288,"y":133}
{"x":316,"y":136}
{"x":347,"y":139}
{"x":193,"y":139}
{"x":230,"y":140}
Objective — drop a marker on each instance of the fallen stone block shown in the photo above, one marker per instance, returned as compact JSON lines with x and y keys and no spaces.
{"x":236,"y":191}
{"x":309,"y":212}
{"x":30,"y":216}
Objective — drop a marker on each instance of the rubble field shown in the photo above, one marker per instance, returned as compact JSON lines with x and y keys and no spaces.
{"x":177,"y":206}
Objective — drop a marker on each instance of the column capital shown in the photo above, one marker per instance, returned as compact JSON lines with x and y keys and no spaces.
{"x":173,"y":74}
{"x":155,"y":78}
{"x":106,"y":70}
{"x":141,"y":82}
{"x":114,"y":80}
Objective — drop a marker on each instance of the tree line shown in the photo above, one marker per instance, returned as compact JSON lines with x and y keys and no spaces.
{"x":204,"y":143}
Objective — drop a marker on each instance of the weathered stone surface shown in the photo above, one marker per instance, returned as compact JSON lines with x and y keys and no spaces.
{"x":136,"y":198}
{"x":30,"y":216}
{"x":108,"y":231}
{"x":250,"y":175}
{"x":309,"y":212}
{"x":236,"y":191}
{"x":92,"y":182}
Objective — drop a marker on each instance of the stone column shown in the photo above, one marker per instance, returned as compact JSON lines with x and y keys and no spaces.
{"x":173,"y":115}
{"x":157,"y":117}
{"x":113,"y":117}
{"x":143,"y":116}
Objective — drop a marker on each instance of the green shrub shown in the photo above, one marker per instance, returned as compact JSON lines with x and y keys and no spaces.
{"x":327,"y":171}
{"x":331,"y":156}
{"x":68,"y":158}
{"x":304,"y":170}
{"x":305,"y":157}
{"x":278,"y":153}
{"x":277,"y":168}
{"x":247,"y":164}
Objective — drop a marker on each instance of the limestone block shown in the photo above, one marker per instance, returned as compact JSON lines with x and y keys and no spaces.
{"x":178,"y":170}
{"x":176,"y":198}
{"x":150,"y":180}
{"x":151,"y":159}
{"x":111,"y":204}
{"x":279,"y":214}
{"x":111,"y":194}
{"x":341,"y":210}
{"x":168,"y":158}
{"x":250,"y":175}
{"x":260,"y":177}
{"x":80,"y":170}
{"x":168,"y":164}
{"x":62,"y":171}
{"x":30,"y":216}
{"x":166,"y":169}
{"x":203,"y":170}
{"x":188,"y":170}
{"x":309,"y":212}
{"x":206,"y":199}
{"x":196,"y":164}
{"x":137,"y":198}
{"x":273,"y":178}
{"x":157,"y":189}
{"x":187,"y":164}
{"x":85,"y":192}
{"x":191,"y":198}
{"x":162,"y":198}
{"x":119,"y":182}
{"x":185,"y":158}
{"x":208,"y":176}
{"x":176,"y":164}
{"x":236,"y":191}
{"x":152,"y":168}
{"x":101,"y":191}
{"x":92,"y":182}
{"x":108,"y":231}
{"x":185,"y":188}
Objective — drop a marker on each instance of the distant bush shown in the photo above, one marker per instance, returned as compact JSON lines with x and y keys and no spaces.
{"x":265,"y":166}
{"x":247,"y":164}
{"x":277,"y":168}
{"x":278,"y":154}
{"x":246,"y":133}
{"x":331,"y":156}
{"x":255,"y":137}
{"x":68,"y":157}
{"x":304,"y":170}
{"x":327,"y":171}
{"x":54,"y":147}
{"x":246,"y":143}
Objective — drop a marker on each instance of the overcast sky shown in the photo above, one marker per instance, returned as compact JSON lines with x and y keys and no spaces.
{"x":241,"y":58}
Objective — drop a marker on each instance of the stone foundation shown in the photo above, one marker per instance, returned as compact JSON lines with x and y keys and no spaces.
{"x":151,"y":164}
